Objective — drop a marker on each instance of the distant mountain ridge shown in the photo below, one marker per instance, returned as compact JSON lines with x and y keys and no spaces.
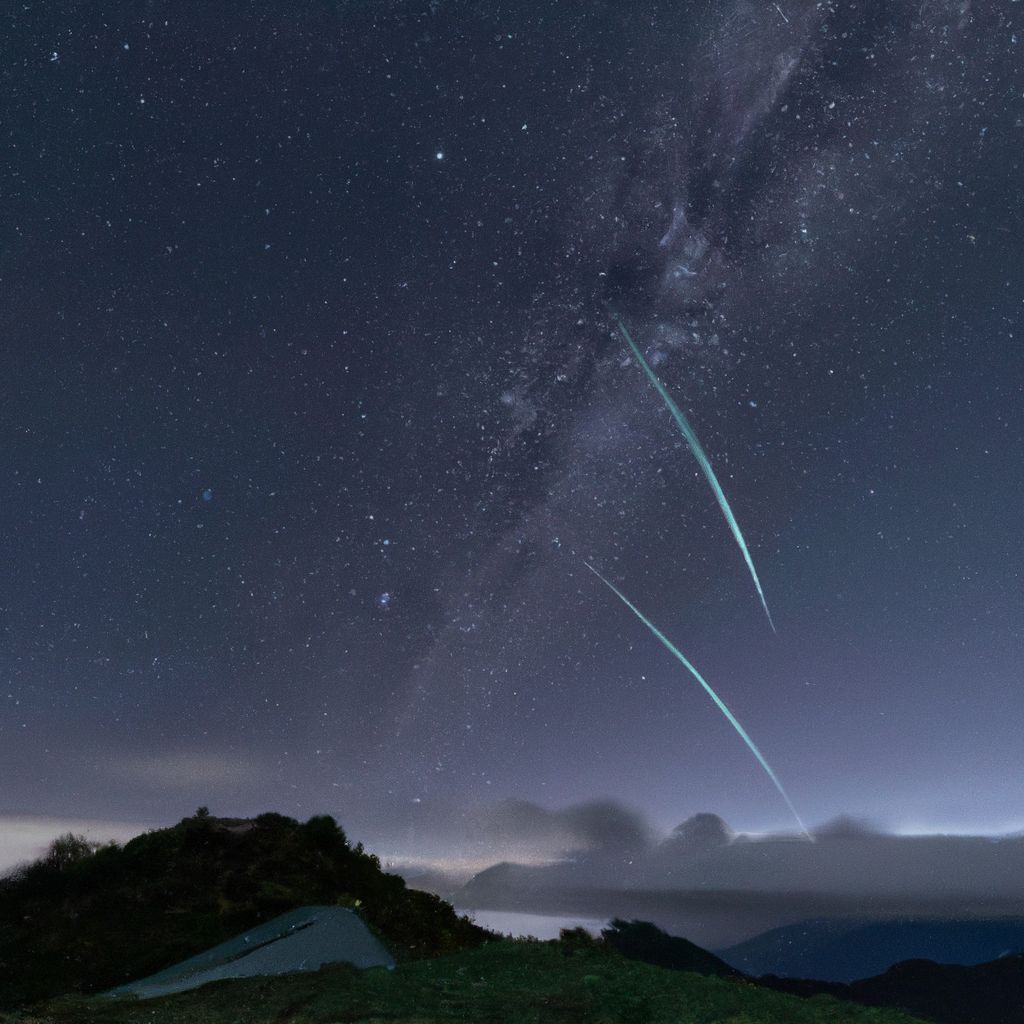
{"x":989,"y":993}
{"x":844,"y":951}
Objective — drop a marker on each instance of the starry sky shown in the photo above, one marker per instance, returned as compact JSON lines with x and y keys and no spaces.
{"x":313,"y":409}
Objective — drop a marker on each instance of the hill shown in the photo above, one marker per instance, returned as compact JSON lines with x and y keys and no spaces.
{"x":641,"y":940}
{"x":500,"y":982}
{"x":85,"y":919}
{"x":845,"y":950}
{"x":988,"y":993}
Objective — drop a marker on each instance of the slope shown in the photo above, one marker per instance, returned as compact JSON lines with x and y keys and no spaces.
{"x":499,"y":983}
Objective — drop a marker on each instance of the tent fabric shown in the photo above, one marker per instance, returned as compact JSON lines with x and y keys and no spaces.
{"x":301,"y":940}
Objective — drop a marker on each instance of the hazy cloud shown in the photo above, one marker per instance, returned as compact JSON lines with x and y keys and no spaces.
{"x":25,"y":838}
{"x":595,"y":825}
{"x":185,"y":769}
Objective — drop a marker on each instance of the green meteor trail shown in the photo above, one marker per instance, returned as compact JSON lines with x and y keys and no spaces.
{"x":705,"y":463}
{"x":711,"y":693}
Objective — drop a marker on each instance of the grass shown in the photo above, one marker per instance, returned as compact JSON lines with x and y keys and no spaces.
{"x":511,"y":982}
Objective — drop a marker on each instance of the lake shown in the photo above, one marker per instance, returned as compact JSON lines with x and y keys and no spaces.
{"x":540,"y":926}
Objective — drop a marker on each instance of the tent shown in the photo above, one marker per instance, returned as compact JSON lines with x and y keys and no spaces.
{"x":301,"y":940}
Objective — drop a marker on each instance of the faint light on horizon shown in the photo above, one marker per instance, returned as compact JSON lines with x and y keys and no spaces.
{"x":989,"y":830}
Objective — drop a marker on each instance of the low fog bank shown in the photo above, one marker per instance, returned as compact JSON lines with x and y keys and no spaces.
{"x":605,"y":844}
{"x":719,"y":886}
{"x":442,"y":846}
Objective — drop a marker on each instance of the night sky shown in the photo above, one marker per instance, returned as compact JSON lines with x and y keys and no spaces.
{"x":313,"y":409}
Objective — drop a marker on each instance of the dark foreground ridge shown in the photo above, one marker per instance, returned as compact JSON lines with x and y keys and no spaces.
{"x":641,"y":940}
{"x":991,"y":993}
{"x":836,"y":949}
{"x":84,"y":919}
{"x":512,"y":982}
{"x":988,"y":993}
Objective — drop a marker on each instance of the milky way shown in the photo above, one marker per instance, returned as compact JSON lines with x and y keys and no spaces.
{"x":313,"y":406}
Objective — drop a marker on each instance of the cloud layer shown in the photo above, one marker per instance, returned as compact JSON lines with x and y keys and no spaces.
{"x":24,"y":838}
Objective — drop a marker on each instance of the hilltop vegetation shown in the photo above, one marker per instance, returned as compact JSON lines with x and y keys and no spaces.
{"x":641,"y":940}
{"x":500,"y":983}
{"x":83,"y":919}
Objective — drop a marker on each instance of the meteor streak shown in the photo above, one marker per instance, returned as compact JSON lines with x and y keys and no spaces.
{"x":705,"y":463}
{"x":711,"y":693}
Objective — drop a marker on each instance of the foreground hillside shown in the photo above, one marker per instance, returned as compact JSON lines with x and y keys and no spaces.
{"x":83,"y":920}
{"x":502,"y":982}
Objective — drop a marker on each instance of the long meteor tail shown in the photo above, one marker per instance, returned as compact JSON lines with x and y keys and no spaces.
{"x":705,"y":462}
{"x":711,"y":693}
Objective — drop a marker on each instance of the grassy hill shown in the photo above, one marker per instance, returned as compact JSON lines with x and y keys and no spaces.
{"x":84,"y":919}
{"x":499,"y":983}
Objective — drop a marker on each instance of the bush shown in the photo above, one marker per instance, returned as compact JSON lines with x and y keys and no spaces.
{"x":67,"y":850}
